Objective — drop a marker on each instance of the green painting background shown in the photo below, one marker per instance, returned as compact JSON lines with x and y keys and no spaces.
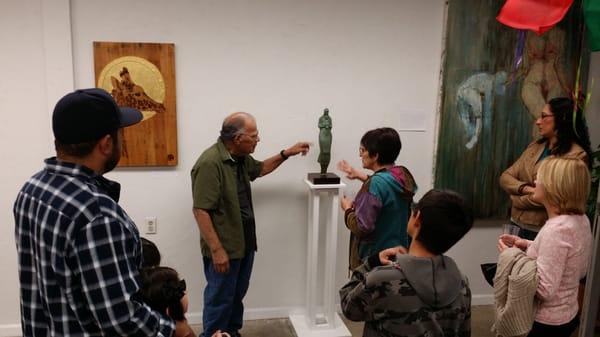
{"x":475,"y":43}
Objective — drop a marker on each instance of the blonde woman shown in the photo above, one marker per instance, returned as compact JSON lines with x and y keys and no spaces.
{"x":563,"y":246}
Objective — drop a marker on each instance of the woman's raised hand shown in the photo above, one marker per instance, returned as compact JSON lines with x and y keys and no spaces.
{"x":351,"y":172}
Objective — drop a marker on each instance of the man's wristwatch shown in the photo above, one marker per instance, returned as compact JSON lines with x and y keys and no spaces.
{"x":282,"y":154}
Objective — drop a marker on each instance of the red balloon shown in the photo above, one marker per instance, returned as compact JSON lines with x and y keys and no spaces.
{"x":536,"y":15}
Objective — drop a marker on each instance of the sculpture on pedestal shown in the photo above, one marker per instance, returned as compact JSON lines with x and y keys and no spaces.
{"x":325,"y":126}
{"x":325,"y":138}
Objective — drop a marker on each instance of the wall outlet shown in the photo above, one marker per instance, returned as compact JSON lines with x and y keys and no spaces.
{"x":151,"y":225}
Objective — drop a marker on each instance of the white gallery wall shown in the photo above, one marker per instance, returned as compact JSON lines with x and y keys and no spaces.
{"x":283,"y":61}
{"x":371,"y":63}
{"x":30,"y":74}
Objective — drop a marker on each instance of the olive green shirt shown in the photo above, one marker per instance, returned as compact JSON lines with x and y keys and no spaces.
{"x":214,"y":188}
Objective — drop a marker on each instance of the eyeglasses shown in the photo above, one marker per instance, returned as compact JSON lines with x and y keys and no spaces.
{"x":544,"y":115}
{"x":253,"y":137}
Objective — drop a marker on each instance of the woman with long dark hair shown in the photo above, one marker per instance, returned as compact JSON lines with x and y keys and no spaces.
{"x":562,"y":135}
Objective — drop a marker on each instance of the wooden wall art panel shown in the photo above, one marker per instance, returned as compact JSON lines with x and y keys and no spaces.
{"x":142,"y":76}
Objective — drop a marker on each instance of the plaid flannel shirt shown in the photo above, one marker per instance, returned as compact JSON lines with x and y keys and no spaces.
{"x":79,"y":254}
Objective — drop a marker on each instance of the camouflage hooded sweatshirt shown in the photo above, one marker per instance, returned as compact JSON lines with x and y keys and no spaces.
{"x":416,"y":296}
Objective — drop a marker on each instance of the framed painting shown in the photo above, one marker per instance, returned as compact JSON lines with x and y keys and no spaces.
{"x":142,"y":76}
{"x":488,"y":106}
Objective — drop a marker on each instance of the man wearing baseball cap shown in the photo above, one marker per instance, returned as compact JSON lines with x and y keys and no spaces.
{"x":79,"y":252}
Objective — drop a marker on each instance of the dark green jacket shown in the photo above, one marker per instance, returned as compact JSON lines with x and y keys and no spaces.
{"x":214,"y":188}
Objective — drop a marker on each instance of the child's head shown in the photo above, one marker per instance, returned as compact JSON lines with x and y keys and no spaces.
{"x":150,"y":254}
{"x":439,"y":220}
{"x":164,"y":292}
{"x":563,"y":183}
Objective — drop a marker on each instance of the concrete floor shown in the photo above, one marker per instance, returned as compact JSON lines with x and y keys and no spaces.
{"x":481,"y":321}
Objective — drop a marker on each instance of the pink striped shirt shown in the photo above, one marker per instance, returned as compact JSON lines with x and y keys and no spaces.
{"x":562,"y":250}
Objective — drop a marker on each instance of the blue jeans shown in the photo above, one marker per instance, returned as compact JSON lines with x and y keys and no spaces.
{"x":223,"y":307}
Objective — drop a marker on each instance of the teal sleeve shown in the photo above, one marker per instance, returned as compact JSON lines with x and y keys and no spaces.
{"x":377,"y":188}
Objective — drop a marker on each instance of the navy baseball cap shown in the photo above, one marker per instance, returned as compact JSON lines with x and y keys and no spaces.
{"x":87,"y":115}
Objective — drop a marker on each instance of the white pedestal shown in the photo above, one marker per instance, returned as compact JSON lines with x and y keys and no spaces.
{"x":321,"y":321}
{"x":303,"y":330}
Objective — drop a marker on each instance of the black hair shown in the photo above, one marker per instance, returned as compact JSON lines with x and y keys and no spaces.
{"x":80,"y":150}
{"x":384,"y":142}
{"x":445,"y":219}
{"x":150,"y":254}
{"x":162,"y":289}
{"x":566,"y":133}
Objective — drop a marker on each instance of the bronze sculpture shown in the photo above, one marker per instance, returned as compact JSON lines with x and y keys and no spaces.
{"x":325,"y":136}
{"x":324,"y":158}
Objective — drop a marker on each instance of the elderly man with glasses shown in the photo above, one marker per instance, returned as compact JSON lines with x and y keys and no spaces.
{"x":225,"y":216}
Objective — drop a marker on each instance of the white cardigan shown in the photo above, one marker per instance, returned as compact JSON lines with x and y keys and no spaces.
{"x":515,"y":286}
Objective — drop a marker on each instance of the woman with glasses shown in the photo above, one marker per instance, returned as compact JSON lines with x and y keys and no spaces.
{"x":378,"y":215}
{"x":562,"y":135}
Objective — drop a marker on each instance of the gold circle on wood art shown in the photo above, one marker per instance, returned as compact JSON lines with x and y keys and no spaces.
{"x":143,"y":73}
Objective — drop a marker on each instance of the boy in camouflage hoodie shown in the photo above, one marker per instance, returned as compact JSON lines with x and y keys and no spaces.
{"x":421,"y":292}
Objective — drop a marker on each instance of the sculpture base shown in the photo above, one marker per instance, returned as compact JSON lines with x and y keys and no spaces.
{"x":323,"y":179}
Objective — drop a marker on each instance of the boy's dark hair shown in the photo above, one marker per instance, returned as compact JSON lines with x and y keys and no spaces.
{"x":382,"y":141}
{"x":150,"y":253}
{"x":163,"y":289}
{"x":445,"y":219}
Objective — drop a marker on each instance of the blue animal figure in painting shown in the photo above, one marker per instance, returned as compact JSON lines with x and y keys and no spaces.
{"x":475,"y":98}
